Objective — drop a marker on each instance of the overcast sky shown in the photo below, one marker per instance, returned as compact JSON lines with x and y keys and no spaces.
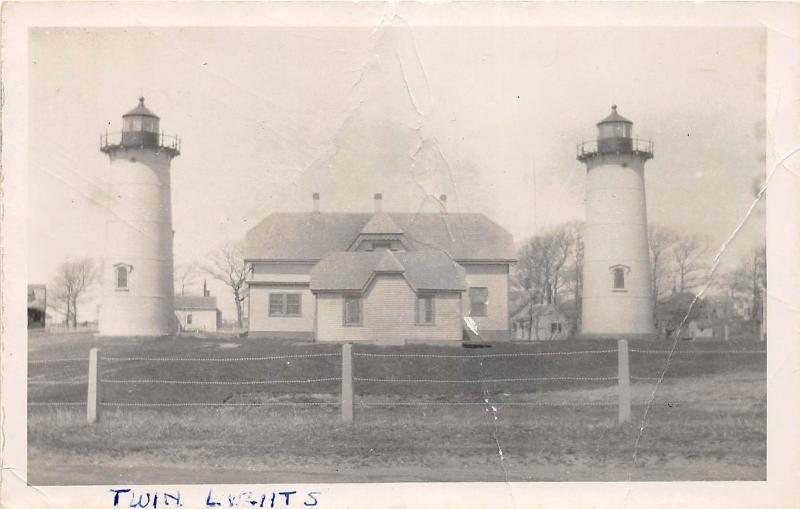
{"x":489,"y":116}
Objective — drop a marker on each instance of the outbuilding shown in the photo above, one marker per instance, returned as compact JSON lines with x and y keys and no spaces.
{"x":197,"y":313}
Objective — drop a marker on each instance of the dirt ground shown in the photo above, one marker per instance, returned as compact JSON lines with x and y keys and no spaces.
{"x":707,"y":420}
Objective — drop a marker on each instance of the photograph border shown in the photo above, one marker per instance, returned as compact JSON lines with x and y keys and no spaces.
{"x":783,"y":247}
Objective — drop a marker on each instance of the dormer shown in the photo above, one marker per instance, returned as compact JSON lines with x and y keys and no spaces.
{"x":380,"y":232}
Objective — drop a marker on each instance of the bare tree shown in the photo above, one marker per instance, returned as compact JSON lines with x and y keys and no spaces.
{"x":72,"y":280}
{"x":562,"y":243}
{"x":661,"y":240}
{"x":687,"y":254}
{"x":574,"y":271}
{"x":549,"y":264}
{"x":185,"y":275}
{"x":749,"y":280}
{"x":227,"y":264}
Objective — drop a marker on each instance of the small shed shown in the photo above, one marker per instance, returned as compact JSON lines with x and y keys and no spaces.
{"x":699,"y":328}
{"x":197,"y":313}
{"x":37,"y":306}
{"x":541,"y":322}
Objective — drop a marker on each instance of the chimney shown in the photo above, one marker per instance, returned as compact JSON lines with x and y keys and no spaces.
{"x":378,"y":199}
{"x":205,"y":289}
{"x":315,"y":197}
{"x":443,"y":203}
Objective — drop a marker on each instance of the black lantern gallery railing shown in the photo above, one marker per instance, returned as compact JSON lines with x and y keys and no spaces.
{"x":136,"y":139}
{"x":620,"y":145}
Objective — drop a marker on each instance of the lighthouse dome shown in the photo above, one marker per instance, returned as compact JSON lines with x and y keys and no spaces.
{"x":140,"y":110}
{"x":614,"y":117}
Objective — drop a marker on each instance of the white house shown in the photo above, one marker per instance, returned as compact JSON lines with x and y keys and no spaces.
{"x":379,"y":276}
{"x":197,"y":313}
{"x":540,"y":322}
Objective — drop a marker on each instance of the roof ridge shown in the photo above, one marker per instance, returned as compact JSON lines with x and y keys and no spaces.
{"x":388,"y":262}
{"x":381,"y":222}
{"x":295,"y":235}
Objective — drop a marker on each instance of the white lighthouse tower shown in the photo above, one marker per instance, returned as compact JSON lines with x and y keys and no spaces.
{"x":137,"y":269}
{"x":617,"y":298}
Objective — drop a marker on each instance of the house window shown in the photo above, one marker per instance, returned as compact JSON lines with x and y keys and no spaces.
{"x":478,"y":301}
{"x":122,"y":277}
{"x":352,"y":311}
{"x":425,"y":310}
{"x":619,"y":278}
{"x":292,"y":304}
{"x":284,"y":304}
{"x":189,"y":319}
{"x":555,"y":327}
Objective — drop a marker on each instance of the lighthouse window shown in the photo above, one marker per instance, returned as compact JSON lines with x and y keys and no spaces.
{"x":619,"y":278}
{"x":149,"y":124}
{"x":122,"y":278}
{"x":136,"y":123}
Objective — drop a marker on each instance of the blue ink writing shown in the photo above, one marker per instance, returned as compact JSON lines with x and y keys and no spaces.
{"x":116,"y":495}
{"x":139,"y":502}
{"x":176,"y":498}
{"x":313,"y":499}
{"x":211,"y":503}
{"x":287,"y":494}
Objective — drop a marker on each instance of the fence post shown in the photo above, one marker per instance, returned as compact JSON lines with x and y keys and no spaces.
{"x":347,"y":383}
{"x":624,"y":381}
{"x":93,"y":391}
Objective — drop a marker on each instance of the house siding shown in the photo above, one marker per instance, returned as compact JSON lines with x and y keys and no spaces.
{"x":281,"y":272}
{"x":389,"y":314}
{"x":495,"y":278}
{"x":260,"y":321}
{"x":202,"y":319}
{"x":541,"y":328}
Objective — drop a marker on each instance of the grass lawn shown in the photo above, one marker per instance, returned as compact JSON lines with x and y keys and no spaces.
{"x":707,"y":420}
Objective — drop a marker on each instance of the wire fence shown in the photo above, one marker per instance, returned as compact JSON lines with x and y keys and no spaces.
{"x":349,"y":382}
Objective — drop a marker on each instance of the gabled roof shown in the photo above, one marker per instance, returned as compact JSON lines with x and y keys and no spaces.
{"x":195,"y":302}
{"x":380,"y":222}
{"x":432,"y":270}
{"x":388,"y":263}
{"x":313,"y":236}
{"x":353,"y":271}
{"x":541,"y":310}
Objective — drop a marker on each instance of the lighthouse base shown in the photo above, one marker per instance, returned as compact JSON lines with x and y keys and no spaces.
{"x":138,"y":317}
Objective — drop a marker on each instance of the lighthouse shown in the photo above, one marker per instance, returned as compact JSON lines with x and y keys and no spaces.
{"x":137,"y":285}
{"x":617,"y":298}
